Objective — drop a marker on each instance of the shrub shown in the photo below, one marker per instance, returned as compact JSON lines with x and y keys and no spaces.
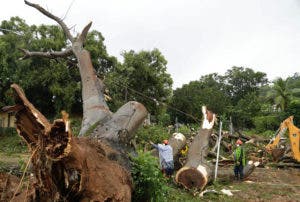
{"x":264,"y":123}
{"x":164,"y":119}
{"x":149,"y":183}
{"x":155,"y":133}
{"x":185,"y":130}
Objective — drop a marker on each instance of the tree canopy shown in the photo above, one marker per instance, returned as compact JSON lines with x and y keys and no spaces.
{"x":226,"y":95}
{"x":142,"y":77}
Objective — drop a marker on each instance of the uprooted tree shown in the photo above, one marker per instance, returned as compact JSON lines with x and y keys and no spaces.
{"x":67,"y":168}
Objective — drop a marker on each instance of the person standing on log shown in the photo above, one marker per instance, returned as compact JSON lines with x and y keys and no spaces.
{"x":166,"y":161}
{"x":239,"y":160}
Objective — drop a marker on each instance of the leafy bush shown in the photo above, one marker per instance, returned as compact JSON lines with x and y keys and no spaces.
{"x":164,"y":119}
{"x":149,"y":183}
{"x":265,"y":123}
{"x":155,"y":133}
{"x":75,"y":125}
{"x":185,"y":130}
{"x":294,"y":110}
{"x":268,"y":133}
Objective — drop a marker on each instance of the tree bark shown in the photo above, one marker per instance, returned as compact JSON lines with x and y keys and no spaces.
{"x":95,"y":108}
{"x":197,"y":171}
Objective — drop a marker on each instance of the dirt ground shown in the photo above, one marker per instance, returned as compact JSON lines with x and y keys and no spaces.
{"x":269,"y":184}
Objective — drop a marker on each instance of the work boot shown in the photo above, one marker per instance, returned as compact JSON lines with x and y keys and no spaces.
{"x":236,"y":177}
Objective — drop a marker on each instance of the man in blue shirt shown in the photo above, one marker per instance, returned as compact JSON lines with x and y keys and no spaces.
{"x":165,"y":152}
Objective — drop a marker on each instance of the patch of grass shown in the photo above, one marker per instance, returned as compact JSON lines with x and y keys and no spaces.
{"x":91,"y":129}
{"x":12,"y":143}
{"x":176,"y":193}
{"x":76,"y":125}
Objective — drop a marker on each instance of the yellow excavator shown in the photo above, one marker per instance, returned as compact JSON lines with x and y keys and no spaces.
{"x":294,"y":136}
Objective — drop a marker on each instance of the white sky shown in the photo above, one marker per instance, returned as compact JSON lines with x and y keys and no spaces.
{"x":197,"y":37}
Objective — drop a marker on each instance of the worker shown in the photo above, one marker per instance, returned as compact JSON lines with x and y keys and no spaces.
{"x":239,"y":160}
{"x":165,"y":152}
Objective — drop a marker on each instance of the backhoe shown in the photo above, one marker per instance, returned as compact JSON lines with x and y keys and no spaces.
{"x":294,"y":136}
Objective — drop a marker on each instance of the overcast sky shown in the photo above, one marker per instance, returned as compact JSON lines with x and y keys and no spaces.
{"x":197,"y":37}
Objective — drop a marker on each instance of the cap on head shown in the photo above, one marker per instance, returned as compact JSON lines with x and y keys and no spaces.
{"x":165,"y":141}
{"x":239,"y":142}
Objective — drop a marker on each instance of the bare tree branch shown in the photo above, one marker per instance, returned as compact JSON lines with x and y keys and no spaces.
{"x":51,"y":55}
{"x":53,"y":17}
{"x":84,"y":33}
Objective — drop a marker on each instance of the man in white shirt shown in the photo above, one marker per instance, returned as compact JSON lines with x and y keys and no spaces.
{"x":165,"y":157}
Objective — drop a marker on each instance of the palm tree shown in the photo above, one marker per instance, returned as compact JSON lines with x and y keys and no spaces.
{"x":283,"y":94}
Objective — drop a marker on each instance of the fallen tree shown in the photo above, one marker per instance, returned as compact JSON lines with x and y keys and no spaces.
{"x":67,"y":168}
{"x":198,"y":171}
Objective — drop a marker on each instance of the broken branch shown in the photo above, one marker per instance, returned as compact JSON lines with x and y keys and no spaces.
{"x":50,"y":55}
{"x":53,"y":17}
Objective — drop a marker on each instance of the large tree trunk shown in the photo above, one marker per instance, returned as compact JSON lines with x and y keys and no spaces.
{"x":94,"y":106}
{"x":66,"y":168}
{"x":197,"y":171}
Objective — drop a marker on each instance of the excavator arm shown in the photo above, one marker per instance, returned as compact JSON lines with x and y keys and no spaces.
{"x":294,"y":136}
{"x":274,"y":142}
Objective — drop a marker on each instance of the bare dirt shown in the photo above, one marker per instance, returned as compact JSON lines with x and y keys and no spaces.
{"x":269,"y":184}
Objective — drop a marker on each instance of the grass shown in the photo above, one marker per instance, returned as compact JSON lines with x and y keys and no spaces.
{"x":176,"y":193}
{"x":11,"y":144}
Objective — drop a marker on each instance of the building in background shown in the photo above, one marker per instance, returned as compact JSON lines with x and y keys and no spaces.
{"x":7,"y":119}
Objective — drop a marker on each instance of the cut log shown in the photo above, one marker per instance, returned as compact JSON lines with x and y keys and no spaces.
{"x":177,"y":142}
{"x":197,"y":171}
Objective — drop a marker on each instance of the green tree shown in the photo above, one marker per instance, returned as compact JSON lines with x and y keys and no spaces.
{"x":283,"y":92}
{"x":57,"y":81}
{"x":209,"y":90}
{"x":243,"y":86}
{"x":242,"y":81}
{"x":245,"y":110}
{"x":142,"y":77}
